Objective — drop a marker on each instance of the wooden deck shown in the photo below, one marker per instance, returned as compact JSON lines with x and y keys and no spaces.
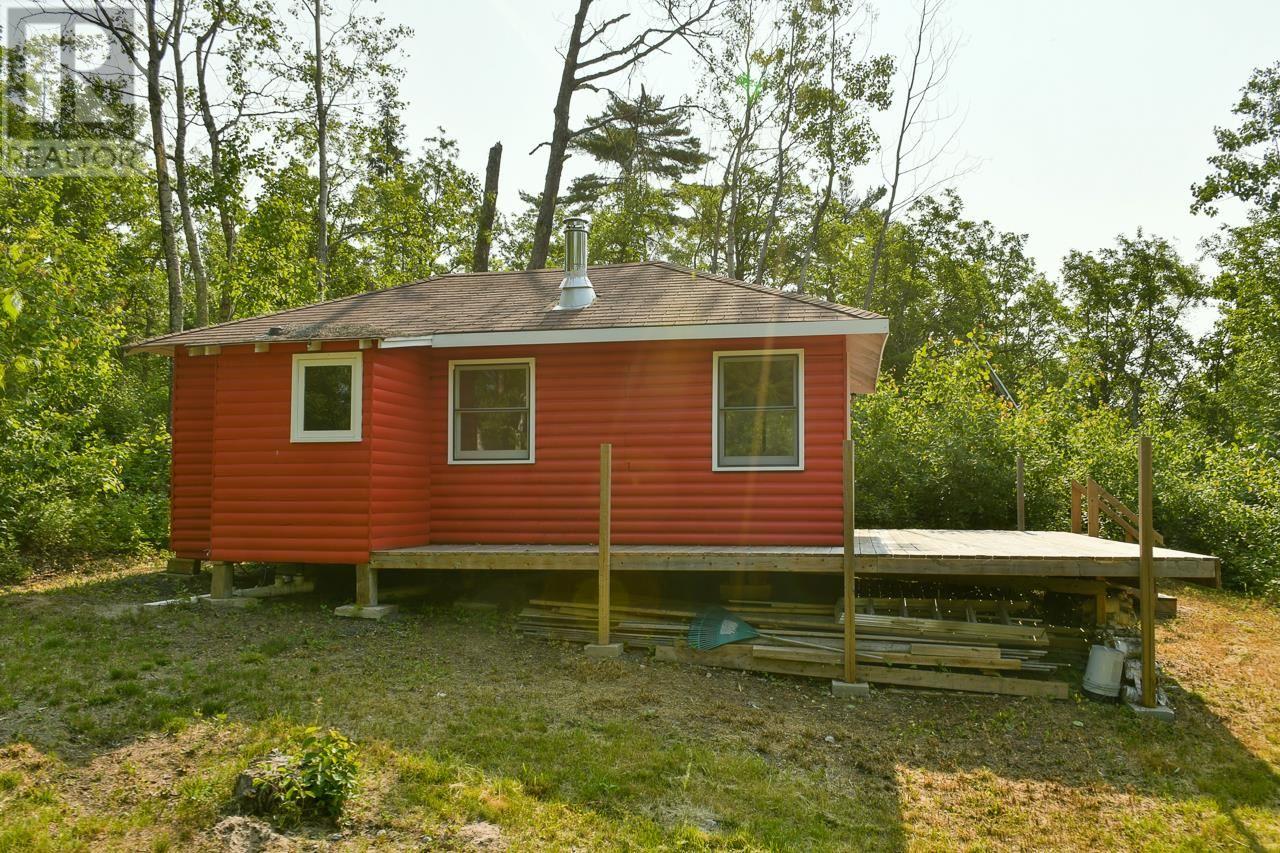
{"x":879,"y":552}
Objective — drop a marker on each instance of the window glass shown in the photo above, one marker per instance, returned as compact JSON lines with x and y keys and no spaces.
{"x":326,"y":397}
{"x":491,"y":411}
{"x":759,"y":413}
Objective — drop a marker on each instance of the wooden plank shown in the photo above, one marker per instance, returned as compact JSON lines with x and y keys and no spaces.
{"x":742,"y":658}
{"x":606,"y":509}
{"x":849,"y":556}
{"x":965,"y":682}
{"x":1146,"y":572}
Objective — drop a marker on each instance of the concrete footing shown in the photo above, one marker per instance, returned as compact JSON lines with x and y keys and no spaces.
{"x":375,"y":611}
{"x":605,"y":652}
{"x":1160,"y":712}
{"x":845,"y":690}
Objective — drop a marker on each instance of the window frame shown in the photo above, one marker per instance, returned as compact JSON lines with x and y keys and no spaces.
{"x":297,"y":402}
{"x":452,"y":410}
{"x":716,"y":358}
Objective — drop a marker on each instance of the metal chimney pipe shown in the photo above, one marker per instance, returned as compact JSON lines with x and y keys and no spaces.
{"x":576,"y":291}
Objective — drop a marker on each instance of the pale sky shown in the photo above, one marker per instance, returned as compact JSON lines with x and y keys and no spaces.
{"x":1083,"y":120}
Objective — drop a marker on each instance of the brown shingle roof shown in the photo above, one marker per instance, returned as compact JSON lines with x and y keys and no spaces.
{"x":654,"y":293}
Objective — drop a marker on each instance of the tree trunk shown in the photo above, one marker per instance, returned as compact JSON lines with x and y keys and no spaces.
{"x":322,"y":154}
{"x":164,"y":190}
{"x":180,"y":174}
{"x":903,"y":128}
{"x":559,"y":143}
{"x":221,"y":190}
{"x":779,"y":178}
{"x":488,"y":209}
{"x":815,"y":228}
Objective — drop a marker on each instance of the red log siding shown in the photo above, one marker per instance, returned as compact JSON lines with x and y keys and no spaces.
{"x":652,"y":400}
{"x":400,"y":492}
{"x":191,"y":466}
{"x":274,"y":500}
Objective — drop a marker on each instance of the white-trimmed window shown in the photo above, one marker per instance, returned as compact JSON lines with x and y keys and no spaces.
{"x":757,"y":403}
{"x":326,"y":396}
{"x":491,"y":411}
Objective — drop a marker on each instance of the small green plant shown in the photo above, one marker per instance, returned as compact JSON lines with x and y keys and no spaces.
{"x":314,"y":778}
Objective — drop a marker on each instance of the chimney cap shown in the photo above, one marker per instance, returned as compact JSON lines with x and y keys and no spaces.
{"x":576,"y":291}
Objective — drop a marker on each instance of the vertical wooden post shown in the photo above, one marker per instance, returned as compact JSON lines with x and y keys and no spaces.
{"x":850,"y":557}
{"x":606,"y":488}
{"x":1147,"y":572}
{"x":1077,"y":494}
{"x":221,"y":584}
{"x":1092,"y":499}
{"x":1022,"y":502}
{"x":366,"y":586}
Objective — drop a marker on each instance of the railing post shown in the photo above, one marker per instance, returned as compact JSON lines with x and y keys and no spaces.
{"x":1095,"y":516}
{"x":1022,"y":502}
{"x":1146,"y":572}
{"x":606,"y":508}
{"x":1077,"y":494}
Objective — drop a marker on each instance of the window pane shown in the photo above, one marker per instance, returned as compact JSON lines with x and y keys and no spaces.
{"x":493,"y":433}
{"x":326,"y":398}
{"x":493,"y":387}
{"x":765,"y":436}
{"x":758,"y":381}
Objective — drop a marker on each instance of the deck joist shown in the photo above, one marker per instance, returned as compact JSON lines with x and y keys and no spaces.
{"x":1035,"y":553}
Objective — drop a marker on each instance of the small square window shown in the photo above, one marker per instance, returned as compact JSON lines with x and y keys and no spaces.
{"x":759,"y":412}
{"x":491,"y":411}
{"x":326,"y":397}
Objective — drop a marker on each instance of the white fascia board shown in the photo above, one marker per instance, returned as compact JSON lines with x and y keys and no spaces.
{"x":851,"y":326}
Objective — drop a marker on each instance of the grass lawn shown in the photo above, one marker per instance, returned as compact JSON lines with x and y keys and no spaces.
{"x":126,"y":732}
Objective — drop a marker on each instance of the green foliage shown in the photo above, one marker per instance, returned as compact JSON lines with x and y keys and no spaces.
{"x":938,"y":450}
{"x":316,"y":778}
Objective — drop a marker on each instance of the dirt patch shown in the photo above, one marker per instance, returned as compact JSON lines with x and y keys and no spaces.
{"x":480,"y":835}
{"x":247,"y":835}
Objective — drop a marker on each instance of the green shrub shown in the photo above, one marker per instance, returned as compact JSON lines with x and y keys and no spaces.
{"x":314,"y":777}
{"x":938,"y":450}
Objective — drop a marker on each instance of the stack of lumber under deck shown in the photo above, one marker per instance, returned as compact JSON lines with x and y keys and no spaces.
{"x":900,"y":650}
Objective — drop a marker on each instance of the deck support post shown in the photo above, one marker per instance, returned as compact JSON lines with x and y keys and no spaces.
{"x":366,"y":606}
{"x":1146,"y":572}
{"x":366,"y":585}
{"x":602,"y":648}
{"x":849,"y":686}
{"x":1022,"y":502}
{"x":221,"y":585}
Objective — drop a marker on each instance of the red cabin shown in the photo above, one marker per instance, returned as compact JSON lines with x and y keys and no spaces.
{"x":470,"y":409}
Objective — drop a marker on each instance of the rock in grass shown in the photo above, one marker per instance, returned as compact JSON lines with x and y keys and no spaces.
{"x":258,"y":786}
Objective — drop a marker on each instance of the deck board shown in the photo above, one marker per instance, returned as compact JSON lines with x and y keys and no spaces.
{"x":1032,"y":553}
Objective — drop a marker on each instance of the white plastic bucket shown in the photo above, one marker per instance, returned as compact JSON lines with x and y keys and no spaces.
{"x":1102,"y":675}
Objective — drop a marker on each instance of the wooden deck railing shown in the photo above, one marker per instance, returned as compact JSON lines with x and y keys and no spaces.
{"x":1090,"y":504}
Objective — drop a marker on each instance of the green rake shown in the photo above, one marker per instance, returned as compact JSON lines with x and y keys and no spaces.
{"x":716,"y":627}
